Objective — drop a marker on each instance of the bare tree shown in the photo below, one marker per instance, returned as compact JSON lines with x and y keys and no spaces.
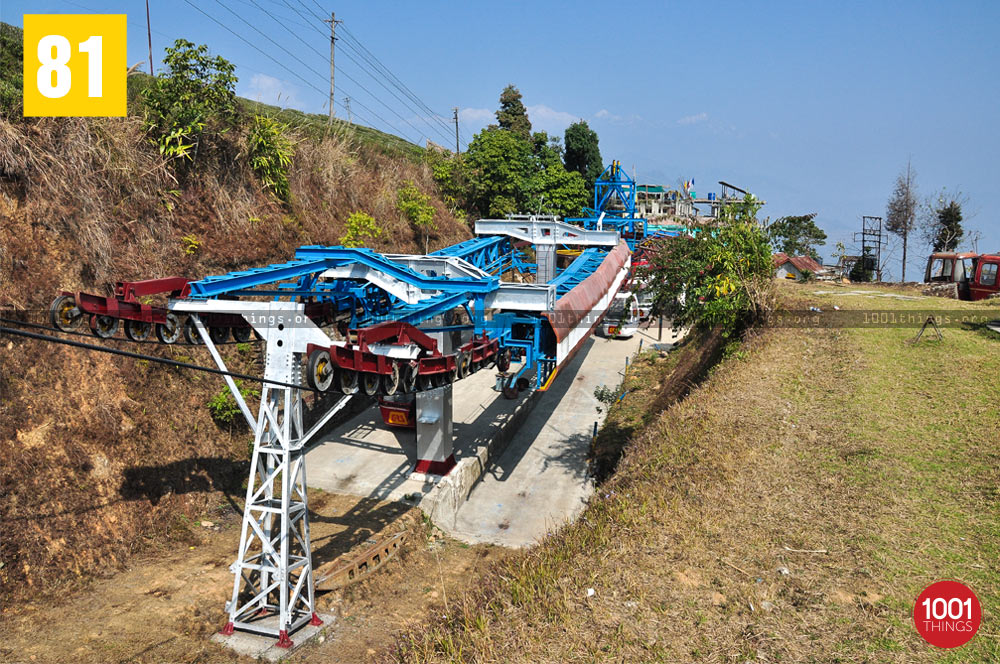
{"x":901,"y":211}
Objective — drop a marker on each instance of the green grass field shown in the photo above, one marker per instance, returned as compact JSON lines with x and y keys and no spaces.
{"x":791,"y":508}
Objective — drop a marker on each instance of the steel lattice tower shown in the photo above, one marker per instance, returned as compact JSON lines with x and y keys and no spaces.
{"x":273,"y":569}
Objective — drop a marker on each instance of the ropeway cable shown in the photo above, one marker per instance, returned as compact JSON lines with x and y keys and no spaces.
{"x":150,"y":358}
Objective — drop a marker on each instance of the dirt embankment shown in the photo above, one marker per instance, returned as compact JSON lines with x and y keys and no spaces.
{"x":103,"y":453}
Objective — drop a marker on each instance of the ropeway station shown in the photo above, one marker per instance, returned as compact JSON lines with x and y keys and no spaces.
{"x":518,"y":299}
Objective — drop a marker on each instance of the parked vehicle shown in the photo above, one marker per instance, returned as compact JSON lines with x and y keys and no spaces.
{"x":974,"y":276}
{"x":622,"y":318}
{"x":985,"y":281}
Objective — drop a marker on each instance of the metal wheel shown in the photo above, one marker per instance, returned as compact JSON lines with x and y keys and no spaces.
{"x":462,"y":362}
{"x":510,"y":391}
{"x":170,"y":331}
{"x":347,"y":381}
{"x":392,"y":382}
{"x":426,"y":382}
{"x":103,"y":327}
{"x":64,"y":313}
{"x":136,"y":330}
{"x":242,"y":334}
{"x":218,"y":335}
{"x":370,"y":382}
{"x":409,"y":378}
{"x":503,"y":359}
{"x":320,"y":370}
{"x":191,"y":332}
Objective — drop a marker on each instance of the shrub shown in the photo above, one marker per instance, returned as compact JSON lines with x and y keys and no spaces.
{"x":191,"y":244}
{"x":416,"y":206}
{"x":360,"y":230}
{"x":607,"y":396}
{"x":270,"y":153}
{"x":223,"y":406}
{"x":196,"y":89}
{"x":11,"y":85}
{"x":714,"y":276}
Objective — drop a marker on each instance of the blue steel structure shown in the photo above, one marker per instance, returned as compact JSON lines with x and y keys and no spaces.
{"x":615,"y":208}
{"x":364,"y":291}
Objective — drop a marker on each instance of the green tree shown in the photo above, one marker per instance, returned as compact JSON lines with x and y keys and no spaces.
{"x":582,"y":152}
{"x":360,"y":230}
{"x":499,"y":163}
{"x":512,"y":115}
{"x":864,"y":267}
{"x":416,"y":206}
{"x":195,"y":91}
{"x":714,"y":277}
{"x":942,"y":221}
{"x":901,"y":211}
{"x":550,"y":188}
{"x":797,"y":235}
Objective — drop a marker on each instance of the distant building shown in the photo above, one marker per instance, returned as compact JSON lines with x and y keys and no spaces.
{"x":656,"y":200}
{"x":794,"y":267}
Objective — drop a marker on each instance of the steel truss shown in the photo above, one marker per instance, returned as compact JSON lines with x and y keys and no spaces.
{"x":273,"y":589}
{"x":273,"y":568}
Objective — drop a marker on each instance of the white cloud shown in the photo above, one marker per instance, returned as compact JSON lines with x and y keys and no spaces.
{"x":478,"y":117}
{"x":544,"y":118}
{"x":693,"y":119}
{"x":271,"y":90}
{"x":607,"y":116}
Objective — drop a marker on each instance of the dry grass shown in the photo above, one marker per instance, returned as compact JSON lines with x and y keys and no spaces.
{"x":805,"y":439}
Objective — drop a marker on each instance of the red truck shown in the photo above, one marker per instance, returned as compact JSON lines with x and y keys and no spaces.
{"x":974,"y":275}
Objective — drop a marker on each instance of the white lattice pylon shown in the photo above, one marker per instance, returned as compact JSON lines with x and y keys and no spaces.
{"x":273,"y":568}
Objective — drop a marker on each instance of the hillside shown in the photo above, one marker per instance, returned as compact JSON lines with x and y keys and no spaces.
{"x":790,"y":508}
{"x":105,"y":454}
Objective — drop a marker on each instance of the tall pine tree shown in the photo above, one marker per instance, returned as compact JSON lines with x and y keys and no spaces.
{"x":513,"y":116}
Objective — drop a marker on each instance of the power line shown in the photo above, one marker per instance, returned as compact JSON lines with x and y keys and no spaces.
{"x":349,"y":77}
{"x":324,"y":76}
{"x":390,"y":76}
{"x":280,"y":64}
{"x":380,"y":67}
{"x":274,"y":2}
{"x":416,"y":111}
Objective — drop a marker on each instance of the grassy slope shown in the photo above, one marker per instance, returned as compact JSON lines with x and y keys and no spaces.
{"x":847,"y":440}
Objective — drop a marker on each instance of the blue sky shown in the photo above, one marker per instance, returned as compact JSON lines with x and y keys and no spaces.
{"x":815,"y":107}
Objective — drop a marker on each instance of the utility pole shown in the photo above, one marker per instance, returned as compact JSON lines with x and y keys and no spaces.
{"x":347,"y":105}
{"x":457,"y":145}
{"x":149,"y":38}
{"x":333,"y":38}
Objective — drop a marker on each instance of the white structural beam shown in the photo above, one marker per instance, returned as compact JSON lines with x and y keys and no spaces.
{"x":545,"y":232}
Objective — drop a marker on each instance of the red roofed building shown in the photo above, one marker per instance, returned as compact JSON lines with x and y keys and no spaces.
{"x":793,"y":267}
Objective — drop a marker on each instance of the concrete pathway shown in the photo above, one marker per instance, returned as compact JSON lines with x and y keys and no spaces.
{"x":536,"y":483}
{"x":364,"y":457}
{"x":540,"y":482}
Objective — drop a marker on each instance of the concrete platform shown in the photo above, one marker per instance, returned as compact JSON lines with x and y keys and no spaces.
{"x":541,"y":480}
{"x":364,"y":457}
{"x":260,"y":646}
{"x":521,"y":464}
